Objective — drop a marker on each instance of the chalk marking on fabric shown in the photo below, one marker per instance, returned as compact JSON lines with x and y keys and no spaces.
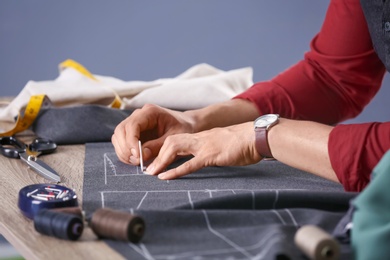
{"x":292,"y":217}
{"x":190,"y":199}
{"x":276,"y":198}
{"x":142,"y":200}
{"x":279,"y":216}
{"x":102,"y":197}
{"x":224,"y":238}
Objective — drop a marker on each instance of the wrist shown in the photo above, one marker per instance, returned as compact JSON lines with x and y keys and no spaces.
{"x":262,"y":126}
{"x":231,"y":112}
{"x":194,"y":119}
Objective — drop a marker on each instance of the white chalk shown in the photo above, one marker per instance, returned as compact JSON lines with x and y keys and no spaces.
{"x":141,"y":159}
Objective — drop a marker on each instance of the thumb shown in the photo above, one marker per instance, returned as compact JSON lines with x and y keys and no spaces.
{"x":152,"y":147}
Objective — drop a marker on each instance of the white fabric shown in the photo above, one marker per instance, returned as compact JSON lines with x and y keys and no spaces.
{"x":197,"y":87}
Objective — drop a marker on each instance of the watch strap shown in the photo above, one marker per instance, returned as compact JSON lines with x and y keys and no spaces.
{"x":261,"y":143}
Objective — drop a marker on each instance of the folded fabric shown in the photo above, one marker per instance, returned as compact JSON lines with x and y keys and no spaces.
{"x":199,"y":86}
{"x":78,"y":124}
{"x":371,"y":228}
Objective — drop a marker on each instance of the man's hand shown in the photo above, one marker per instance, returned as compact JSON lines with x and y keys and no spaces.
{"x":233,"y":145}
{"x":150,"y":124}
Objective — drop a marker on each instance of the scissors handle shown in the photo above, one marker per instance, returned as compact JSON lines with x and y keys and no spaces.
{"x":11,"y":147}
{"x":42,"y":146}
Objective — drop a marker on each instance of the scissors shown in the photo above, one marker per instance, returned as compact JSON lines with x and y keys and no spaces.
{"x":11,"y":147}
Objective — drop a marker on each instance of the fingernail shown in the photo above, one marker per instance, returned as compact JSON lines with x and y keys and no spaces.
{"x":133,"y":160}
{"x":162,"y":176}
{"x":150,"y":169}
{"x":133,"y":151}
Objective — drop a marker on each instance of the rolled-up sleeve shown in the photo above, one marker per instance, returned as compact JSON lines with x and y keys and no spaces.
{"x":355,"y":150}
{"x":335,"y":80}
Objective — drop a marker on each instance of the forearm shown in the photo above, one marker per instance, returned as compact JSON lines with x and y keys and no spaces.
{"x":336,"y":79}
{"x":227,"y":113}
{"x":302,"y":145}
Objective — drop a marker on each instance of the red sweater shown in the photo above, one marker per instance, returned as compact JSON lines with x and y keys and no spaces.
{"x":336,"y":79}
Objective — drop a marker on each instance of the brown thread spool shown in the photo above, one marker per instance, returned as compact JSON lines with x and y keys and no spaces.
{"x":317,"y":244}
{"x":119,"y":225}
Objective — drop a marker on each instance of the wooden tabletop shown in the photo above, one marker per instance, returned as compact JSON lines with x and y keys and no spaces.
{"x":68,"y":161}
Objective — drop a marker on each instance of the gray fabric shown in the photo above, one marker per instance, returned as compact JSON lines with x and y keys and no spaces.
{"x":78,"y":124}
{"x":247,"y":212}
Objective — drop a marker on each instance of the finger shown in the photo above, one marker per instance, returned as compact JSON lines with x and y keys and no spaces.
{"x":126,"y":136}
{"x":152,"y":148}
{"x":122,"y":147}
{"x":141,"y":120}
{"x":184,"y":169}
{"x":121,"y":156}
{"x":173,"y":146}
{"x":160,"y":163}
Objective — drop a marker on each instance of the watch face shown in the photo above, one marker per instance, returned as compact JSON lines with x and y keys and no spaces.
{"x":266,"y":120}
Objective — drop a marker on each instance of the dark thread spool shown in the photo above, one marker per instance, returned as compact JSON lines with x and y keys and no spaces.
{"x":57,"y":224}
{"x":108,"y":223}
{"x":70,"y":210}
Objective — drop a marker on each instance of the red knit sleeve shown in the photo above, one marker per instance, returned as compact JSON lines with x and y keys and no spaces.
{"x":336,"y":79}
{"x":354,"y":151}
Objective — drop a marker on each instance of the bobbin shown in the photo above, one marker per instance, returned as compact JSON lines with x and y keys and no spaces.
{"x":119,"y":225}
{"x":58,"y":224}
{"x":317,"y":244}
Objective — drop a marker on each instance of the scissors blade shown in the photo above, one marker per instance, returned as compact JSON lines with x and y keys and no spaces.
{"x":40,"y":167}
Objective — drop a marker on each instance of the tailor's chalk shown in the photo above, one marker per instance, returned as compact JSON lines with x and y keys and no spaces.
{"x":141,"y":159}
{"x":317,"y":244}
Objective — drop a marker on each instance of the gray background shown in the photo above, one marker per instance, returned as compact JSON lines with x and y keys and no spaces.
{"x":145,"y":40}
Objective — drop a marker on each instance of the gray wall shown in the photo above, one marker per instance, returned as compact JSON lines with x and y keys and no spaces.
{"x":145,"y":40}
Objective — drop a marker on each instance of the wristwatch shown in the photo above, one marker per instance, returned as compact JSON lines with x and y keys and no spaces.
{"x":261,"y":127}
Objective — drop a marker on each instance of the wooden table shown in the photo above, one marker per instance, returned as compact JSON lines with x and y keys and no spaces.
{"x":68,"y":161}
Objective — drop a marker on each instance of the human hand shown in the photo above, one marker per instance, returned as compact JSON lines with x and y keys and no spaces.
{"x":229,"y":146}
{"x":151,"y":124}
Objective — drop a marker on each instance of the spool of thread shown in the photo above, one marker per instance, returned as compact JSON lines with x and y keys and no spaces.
{"x":118,"y":225}
{"x":58,"y":224}
{"x":317,"y":244}
{"x":71,"y":210}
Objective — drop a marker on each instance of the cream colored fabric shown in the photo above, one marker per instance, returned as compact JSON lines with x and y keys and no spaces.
{"x":199,"y":86}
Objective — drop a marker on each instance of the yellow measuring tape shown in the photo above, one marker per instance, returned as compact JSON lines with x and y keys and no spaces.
{"x":25,"y":120}
{"x":80,"y":68}
{"x":37,"y":102}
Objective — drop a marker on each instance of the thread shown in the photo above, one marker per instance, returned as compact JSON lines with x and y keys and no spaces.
{"x":58,"y":224}
{"x":316,"y":244}
{"x":77,"y":211}
{"x":118,"y":225}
